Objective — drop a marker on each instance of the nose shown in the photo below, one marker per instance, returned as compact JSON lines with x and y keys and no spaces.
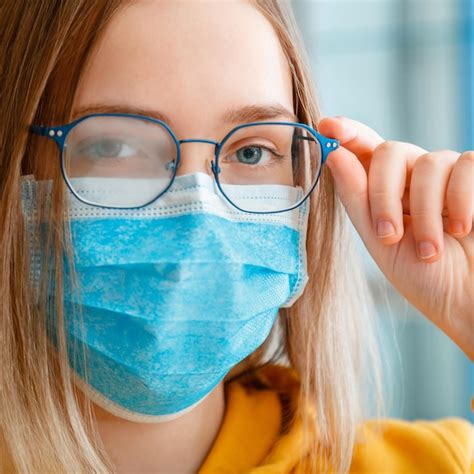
{"x":193,"y":159}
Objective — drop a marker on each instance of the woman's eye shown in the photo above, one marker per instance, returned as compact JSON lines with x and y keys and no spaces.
{"x":108,"y":148}
{"x":252,"y":155}
{"x":249,"y":155}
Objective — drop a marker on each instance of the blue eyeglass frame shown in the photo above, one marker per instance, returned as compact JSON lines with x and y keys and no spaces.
{"x":59,"y":135}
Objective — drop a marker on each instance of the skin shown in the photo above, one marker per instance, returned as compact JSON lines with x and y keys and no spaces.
{"x":213,"y":65}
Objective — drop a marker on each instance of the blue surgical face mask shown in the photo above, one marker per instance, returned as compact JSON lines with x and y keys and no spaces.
{"x":174,"y":294}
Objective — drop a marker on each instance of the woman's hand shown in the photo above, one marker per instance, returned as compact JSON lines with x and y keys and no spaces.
{"x":428,"y":198}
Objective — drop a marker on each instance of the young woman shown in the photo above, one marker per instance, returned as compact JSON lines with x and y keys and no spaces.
{"x":178,"y":288}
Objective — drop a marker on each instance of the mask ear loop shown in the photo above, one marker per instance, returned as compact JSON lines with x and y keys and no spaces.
{"x":29,"y":195}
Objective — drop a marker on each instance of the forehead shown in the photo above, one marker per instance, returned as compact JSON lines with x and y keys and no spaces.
{"x":191,"y":60}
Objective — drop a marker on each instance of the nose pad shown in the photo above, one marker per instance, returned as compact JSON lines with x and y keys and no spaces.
{"x":194,"y":160}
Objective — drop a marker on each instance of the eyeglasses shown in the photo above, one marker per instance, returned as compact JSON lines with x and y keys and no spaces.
{"x":144,"y":151}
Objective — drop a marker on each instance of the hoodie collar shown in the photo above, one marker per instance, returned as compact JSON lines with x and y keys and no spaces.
{"x":253,"y":437}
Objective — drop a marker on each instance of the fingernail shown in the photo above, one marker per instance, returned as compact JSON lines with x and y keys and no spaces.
{"x":385,"y":229}
{"x":456,"y":227}
{"x":426,"y":249}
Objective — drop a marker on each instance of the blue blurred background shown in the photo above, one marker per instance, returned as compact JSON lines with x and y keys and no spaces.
{"x":405,"y":68}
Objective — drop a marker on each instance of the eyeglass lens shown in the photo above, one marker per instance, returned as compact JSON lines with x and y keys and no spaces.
{"x":103,"y":155}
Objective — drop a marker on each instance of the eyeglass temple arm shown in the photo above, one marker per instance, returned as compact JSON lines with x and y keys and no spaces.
{"x":40,"y":130}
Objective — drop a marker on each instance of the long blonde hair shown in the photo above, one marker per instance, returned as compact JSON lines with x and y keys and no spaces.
{"x":327,"y":336}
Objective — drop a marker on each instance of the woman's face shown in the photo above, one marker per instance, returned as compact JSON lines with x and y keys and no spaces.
{"x":190,"y":63}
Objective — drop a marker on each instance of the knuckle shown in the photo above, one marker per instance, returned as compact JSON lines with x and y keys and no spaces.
{"x":421,"y":215}
{"x":467,"y":156}
{"x":453,"y":193}
{"x":394,"y":146}
{"x":430,"y":159}
{"x":388,"y":146}
{"x":380,"y":195}
{"x":442,"y":156}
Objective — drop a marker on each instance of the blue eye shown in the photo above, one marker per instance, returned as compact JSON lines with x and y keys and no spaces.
{"x":249,"y":155}
{"x":256,"y":154}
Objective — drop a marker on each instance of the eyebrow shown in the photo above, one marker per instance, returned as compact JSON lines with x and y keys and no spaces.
{"x":236,"y":115}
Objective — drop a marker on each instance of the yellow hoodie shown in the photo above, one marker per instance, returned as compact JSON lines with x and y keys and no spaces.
{"x":250,"y":441}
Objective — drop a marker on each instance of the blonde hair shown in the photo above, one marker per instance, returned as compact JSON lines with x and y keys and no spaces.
{"x":328,"y":336}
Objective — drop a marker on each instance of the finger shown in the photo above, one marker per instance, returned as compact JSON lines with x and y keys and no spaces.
{"x":387,"y":183}
{"x":460,"y":195}
{"x":428,"y":186}
{"x":354,"y":136}
{"x":351,"y":186}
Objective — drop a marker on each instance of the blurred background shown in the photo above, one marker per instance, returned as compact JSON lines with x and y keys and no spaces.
{"x":405,"y":68}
